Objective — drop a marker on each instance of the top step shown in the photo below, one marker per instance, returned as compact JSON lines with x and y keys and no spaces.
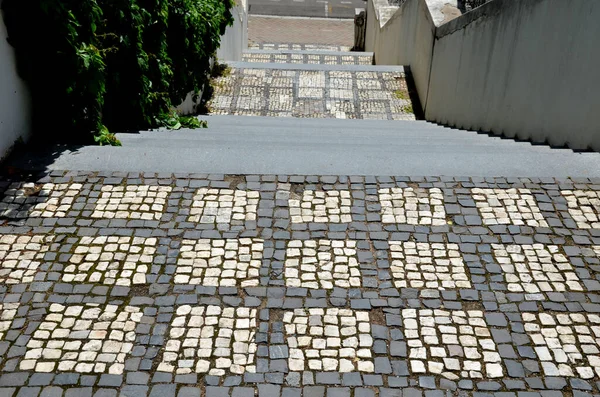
{"x":309,"y":57}
{"x":299,"y":47}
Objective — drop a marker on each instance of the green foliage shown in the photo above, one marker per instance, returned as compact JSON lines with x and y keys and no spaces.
{"x":105,"y":138}
{"x":175,"y":122}
{"x":401,"y":94}
{"x":99,"y":65}
{"x":192,"y":122}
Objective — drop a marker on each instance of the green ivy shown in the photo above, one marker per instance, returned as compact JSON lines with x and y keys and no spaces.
{"x":95,"y":66}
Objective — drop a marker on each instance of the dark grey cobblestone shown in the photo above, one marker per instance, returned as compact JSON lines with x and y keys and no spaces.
{"x":462,"y":307}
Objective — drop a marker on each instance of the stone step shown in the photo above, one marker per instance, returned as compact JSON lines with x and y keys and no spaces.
{"x":309,"y":57}
{"x":310,"y":52}
{"x":416,"y":131}
{"x":263,"y":145}
{"x":317,"y":67}
{"x":297,"y":46}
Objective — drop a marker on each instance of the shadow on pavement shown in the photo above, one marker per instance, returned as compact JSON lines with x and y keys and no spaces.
{"x":34,"y":159}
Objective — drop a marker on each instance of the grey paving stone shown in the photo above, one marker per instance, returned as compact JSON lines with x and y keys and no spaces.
{"x":242,"y":392}
{"x":313,"y":391}
{"x":338,"y":392}
{"x":51,"y":391}
{"x":133,"y":391}
{"x":105,"y":393}
{"x":163,"y":391}
{"x":29,"y":392}
{"x":193,"y":391}
{"x":79,"y":392}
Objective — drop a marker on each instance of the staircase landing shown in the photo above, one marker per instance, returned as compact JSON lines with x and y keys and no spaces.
{"x":312,"y":84}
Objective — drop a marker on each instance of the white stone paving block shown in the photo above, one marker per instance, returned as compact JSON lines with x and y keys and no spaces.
{"x":220,"y":262}
{"x":82,"y":338}
{"x":212,"y":340}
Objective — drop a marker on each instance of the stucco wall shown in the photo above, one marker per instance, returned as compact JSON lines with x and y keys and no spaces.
{"x":527,"y":69}
{"x":402,"y":37}
{"x":233,"y":44}
{"x":15,"y":109}
{"x":235,"y":39}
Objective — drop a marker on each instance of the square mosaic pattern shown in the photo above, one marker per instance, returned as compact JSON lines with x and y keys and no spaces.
{"x":329,"y":340}
{"x":453,"y":344}
{"x":220,"y":263}
{"x":424,"y":265}
{"x":224,"y":207}
{"x":534,"y":269}
{"x":110,"y":260}
{"x":49,"y":200}
{"x":584,"y":207}
{"x":8,"y":311}
{"x":313,"y":94}
{"x":508,"y":207}
{"x":331,"y":206}
{"x":21,"y":257}
{"x":567,"y":344}
{"x":131,"y":202}
{"x":319,"y":59}
{"x":412,"y":206}
{"x":82,"y":338}
{"x":211,"y":340}
{"x":559,"y":277}
{"x":322,"y":264}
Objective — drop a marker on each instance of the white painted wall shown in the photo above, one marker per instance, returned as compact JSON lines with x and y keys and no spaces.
{"x":526,"y":69}
{"x":235,"y":39}
{"x":402,"y":36}
{"x":233,"y":44}
{"x":15,"y":108}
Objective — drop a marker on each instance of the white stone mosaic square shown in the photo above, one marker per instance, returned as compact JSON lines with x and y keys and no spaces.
{"x":534,"y":269}
{"x":111,"y":260}
{"x":341,"y":94}
{"x":453,"y":344}
{"x":82,"y":338}
{"x":224,"y":206}
{"x":209,"y":339}
{"x":331,"y":339}
{"x":21,"y":256}
{"x":132,"y":202}
{"x":413,"y":206}
{"x":48,"y":201}
{"x":331,"y":206}
{"x":310,"y":93}
{"x":311,"y":80}
{"x":424,"y":265}
{"x":508,"y":207}
{"x":8,"y":311}
{"x":220,"y":263}
{"x":322,"y":264}
{"x":584,"y":207}
{"x":567,"y":344}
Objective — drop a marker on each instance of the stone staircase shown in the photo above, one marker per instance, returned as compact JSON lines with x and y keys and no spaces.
{"x":316,"y":110}
{"x":311,"y":81}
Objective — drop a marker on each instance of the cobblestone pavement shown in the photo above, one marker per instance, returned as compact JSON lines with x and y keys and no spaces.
{"x":296,"y":47}
{"x":320,"y":94}
{"x":320,"y":59}
{"x":339,"y":32}
{"x":274,"y":285}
